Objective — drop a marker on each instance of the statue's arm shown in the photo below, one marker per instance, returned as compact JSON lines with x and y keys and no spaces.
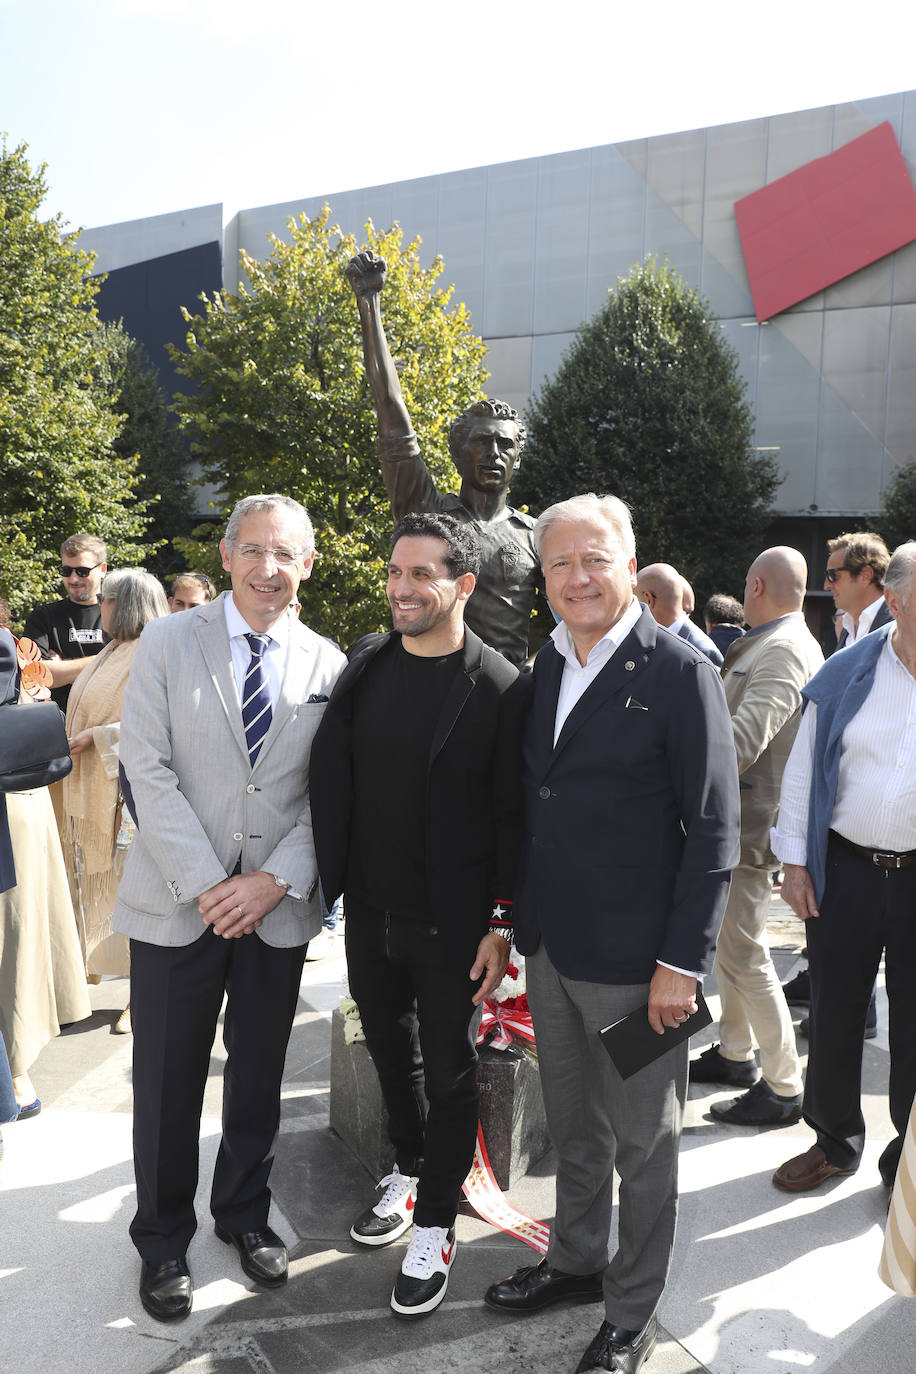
{"x":366,"y":275}
{"x":407,"y":480}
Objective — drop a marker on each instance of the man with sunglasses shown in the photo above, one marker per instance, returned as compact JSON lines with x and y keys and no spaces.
{"x":70,"y":630}
{"x":855,"y":579}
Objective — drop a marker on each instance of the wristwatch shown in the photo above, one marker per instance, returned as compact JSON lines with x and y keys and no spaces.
{"x":287,"y":887}
{"x":504,"y":931}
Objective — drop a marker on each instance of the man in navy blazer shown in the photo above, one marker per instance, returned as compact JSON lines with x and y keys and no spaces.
{"x":856,"y":564}
{"x":661,"y":587}
{"x":631,"y":830}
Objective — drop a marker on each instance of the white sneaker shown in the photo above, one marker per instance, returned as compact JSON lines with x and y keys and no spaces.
{"x":392,"y":1215}
{"x":421,"y":1284}
{"x":321,"y":945}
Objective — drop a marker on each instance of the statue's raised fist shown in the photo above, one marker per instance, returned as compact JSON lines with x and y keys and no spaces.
{"x":366,"y":273}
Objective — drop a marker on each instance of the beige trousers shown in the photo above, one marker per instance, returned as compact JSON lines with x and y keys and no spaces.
{"x":754,"y":1010}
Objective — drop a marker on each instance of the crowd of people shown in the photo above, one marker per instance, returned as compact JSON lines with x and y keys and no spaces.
{"x":641,"y":766}
{"x":618,"y":807}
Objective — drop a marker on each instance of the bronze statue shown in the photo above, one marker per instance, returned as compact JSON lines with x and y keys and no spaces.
{"x":486,"y":444}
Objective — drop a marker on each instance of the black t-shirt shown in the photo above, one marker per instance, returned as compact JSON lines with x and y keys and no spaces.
{"x":396,"y":706}
{"x":67,"y":629}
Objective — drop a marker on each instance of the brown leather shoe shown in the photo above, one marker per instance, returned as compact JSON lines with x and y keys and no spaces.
{"x":803,"y":1172}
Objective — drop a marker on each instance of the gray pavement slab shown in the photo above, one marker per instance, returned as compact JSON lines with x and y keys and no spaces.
{"x":762,"y":1282}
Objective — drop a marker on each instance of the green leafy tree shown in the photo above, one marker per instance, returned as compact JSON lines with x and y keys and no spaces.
{"x":648,"y":404}
{"x":150,"y":435}
{"x":59,"y":472}
{"x":282,"y":402}
{"x":897,"y":521}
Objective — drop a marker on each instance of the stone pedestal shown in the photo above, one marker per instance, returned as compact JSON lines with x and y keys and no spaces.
{"x":511,"y":1108}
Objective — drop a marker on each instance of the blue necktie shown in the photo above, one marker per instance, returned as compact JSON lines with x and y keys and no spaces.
{"x":256,"y":710}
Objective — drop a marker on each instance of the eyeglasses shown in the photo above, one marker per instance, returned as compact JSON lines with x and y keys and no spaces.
{"x":67,"y":571}
{"x":832,"y":574}
{"x":253,"y":553}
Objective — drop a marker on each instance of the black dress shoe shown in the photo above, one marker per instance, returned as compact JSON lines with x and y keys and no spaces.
{"x":619,"y":1349}
{"x":537,"y":1285}
{"x":759,"y":1106}
{"x":165,"y":1289}
{"x":262,"y":1253}
{"x":713,"y":1067}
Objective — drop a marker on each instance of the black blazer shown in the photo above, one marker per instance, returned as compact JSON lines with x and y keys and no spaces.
{"x":632,"y":821}
{"x":473,"y":802}
{"x":9,"y":693}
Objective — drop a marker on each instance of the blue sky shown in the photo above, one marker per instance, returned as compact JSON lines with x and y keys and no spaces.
{"x":145,"y":106}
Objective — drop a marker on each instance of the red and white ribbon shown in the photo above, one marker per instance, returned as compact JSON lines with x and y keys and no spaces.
{"x":508,"y":1021}
{"x":483,"y":1193}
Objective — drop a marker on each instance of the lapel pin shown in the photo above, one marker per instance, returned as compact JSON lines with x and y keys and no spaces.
{"x":629,"y":666}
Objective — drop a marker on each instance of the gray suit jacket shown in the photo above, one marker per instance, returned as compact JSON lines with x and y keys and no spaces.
{"x":200,"y":806}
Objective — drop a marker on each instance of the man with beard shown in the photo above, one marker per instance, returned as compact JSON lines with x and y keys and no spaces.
{"x":416,"y":813}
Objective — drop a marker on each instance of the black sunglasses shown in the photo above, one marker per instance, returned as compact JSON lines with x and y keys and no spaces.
{"x":832,"y":573}
{"x":66,"y":570}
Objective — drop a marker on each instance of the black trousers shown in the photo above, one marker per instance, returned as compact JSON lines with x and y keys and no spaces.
{"x":414,"y":999}
{"x":175,"y":999}
{"x":865,"y":911}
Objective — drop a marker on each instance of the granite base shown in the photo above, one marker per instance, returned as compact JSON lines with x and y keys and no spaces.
{"x":511,"y":1108}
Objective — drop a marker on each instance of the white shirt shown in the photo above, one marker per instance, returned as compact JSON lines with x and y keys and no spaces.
{"x":274,"y":661}
{"x":576,"y":679}
{"x":875,"y":801}
{"x":866,"y":617}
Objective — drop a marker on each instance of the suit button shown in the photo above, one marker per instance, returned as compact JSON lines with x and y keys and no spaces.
{"x":238,"y":835}
{"x":544,"y":793}
{"x":250,"y":788}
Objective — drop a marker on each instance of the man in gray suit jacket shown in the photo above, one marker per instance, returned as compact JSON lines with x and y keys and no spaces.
{"x":219,"y":714}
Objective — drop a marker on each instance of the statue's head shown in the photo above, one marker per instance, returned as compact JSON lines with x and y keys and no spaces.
{"x":486,"y":444}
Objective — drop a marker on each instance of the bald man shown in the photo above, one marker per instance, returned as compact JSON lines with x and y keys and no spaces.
{"x":663,"y":589}
{"x":764,"y":674}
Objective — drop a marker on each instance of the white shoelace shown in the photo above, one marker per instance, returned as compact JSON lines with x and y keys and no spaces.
{"x":424,"y":1250}
{"x":397,"y":1186}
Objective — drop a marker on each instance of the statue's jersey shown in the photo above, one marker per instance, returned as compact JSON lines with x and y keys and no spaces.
{"x":510,"y":577}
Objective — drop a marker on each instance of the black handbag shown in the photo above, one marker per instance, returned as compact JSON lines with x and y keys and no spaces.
{"x":33,"y":746}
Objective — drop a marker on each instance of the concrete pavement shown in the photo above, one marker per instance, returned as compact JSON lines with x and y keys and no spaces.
{"x":762,"y":1282}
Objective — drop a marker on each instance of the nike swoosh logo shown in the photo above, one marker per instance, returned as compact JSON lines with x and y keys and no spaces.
{"x":447,"y":1254}
{"x":410,"y":1203}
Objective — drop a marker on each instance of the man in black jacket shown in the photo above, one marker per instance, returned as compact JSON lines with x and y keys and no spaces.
{"x":415,"y":791}
{"x":631,"y":829}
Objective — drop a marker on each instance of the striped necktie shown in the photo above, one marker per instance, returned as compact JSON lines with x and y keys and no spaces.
{"x":256,"y":710}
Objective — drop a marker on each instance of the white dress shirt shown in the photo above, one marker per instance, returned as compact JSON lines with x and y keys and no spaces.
{"x":853,"y":631}
{"x":576,"y":679}
{"x":875,"y":802}
{"x":274,"y":661}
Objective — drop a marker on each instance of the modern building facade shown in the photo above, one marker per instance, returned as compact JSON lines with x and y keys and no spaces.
{"x":533,"y":247}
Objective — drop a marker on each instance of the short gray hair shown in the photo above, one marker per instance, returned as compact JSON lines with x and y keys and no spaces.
{"x":137,"y":598}
{"x":249,"y":505}
{"x":901,"y":569}
{"x":611,"y":509}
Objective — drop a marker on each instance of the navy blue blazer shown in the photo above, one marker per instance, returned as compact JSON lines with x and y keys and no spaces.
{"x":9,"y":692}
{"x":632,"y":820}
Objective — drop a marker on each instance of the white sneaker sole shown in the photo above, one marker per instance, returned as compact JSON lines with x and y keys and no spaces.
{"x":375,"y":1241}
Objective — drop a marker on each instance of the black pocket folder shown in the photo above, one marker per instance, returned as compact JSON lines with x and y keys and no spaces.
{"x":632,"y":1043}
